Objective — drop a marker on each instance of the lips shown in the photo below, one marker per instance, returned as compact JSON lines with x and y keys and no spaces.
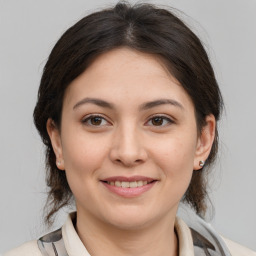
{"x":129,"y":179}
{"x":128,"y":186}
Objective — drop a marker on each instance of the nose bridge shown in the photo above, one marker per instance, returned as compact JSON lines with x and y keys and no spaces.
{"x":127,"y":146}
{"x":128,"y":138}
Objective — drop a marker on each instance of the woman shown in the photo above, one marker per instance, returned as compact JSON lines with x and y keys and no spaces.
{"x":128,"y":107}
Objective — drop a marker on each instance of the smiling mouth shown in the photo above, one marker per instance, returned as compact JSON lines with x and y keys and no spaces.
{"x":127,"y":184}
{"x":128,"y":187}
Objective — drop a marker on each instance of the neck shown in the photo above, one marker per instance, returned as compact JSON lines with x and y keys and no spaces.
{"x":104,"y":239}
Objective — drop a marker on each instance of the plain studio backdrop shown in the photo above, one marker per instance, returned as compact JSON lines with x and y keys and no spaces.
{"x":29,"y":30}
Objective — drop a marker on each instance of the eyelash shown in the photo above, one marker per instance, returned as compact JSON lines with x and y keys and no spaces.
{"x":90,"y":117}
{"x":164,"y":118}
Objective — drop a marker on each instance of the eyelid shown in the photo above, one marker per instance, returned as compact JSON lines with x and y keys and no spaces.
{"x":168,"y":118}
{"x":90,"y":116}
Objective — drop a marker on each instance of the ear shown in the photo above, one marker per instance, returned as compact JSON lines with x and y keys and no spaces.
{"x":205,"y":141}
{"x":55,"y":138}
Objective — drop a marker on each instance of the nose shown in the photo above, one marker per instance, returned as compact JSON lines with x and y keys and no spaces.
{"x":128,"y":147}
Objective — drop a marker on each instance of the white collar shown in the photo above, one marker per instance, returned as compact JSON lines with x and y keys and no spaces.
{"x":73,"y":244}
{"x":75,"y":247}
{"x":186,"y":247}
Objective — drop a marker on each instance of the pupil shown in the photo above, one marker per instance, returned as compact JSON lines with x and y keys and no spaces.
{"x":157,"y":121}
{"x":96,"y":120}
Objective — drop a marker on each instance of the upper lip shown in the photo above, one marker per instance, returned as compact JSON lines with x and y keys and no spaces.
{"x":129,"y":179}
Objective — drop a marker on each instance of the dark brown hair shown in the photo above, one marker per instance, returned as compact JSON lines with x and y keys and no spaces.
{"x":142,"y":27}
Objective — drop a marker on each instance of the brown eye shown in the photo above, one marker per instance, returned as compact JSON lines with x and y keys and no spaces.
{"x":157,"y":121}
{"x":160,"y":121}
{"x":95,"y":121}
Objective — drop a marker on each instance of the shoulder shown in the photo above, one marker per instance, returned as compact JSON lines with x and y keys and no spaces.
{"x":27,"y":249}
{"x":237,"y":249}
{"x":206,"y":235}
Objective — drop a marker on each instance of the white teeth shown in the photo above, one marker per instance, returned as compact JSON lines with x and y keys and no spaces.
{"x":140,"y":183}
{"x":117,"y":183}
{"x":133,"y":184}
{"x":127,"y":184}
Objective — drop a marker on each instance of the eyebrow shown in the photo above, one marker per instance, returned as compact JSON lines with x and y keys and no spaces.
{"x":144,"y":106}
{"x":98,"y":102}
{"x":159,"y":102}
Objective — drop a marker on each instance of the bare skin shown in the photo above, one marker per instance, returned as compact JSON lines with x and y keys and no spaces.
{"x":127,"y":119}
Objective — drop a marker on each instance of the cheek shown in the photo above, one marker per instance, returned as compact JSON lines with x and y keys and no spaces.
{"x":177,"y":154}
{"x":175,"y":157}
{"x":82,"y":158}
{"x":82,"y":151}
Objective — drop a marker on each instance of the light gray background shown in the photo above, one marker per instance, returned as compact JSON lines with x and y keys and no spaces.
{"x":28,"y":31}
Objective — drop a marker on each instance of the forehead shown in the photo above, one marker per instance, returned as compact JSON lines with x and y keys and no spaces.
{"x":125,"y":61}
{"x":126,"y":74}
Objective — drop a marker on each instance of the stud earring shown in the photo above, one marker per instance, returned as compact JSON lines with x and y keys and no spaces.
{"x":201,"y":163}
{"x":58,"y":162}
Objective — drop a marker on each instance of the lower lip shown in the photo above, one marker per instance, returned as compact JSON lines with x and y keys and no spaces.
{"x":129,"y":192}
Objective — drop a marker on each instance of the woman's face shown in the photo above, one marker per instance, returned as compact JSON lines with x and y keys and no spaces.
{"x":128,"y":140}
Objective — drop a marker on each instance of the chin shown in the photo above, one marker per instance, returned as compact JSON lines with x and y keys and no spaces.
{"x":130,"y":223}
{"x":130,"y":219}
